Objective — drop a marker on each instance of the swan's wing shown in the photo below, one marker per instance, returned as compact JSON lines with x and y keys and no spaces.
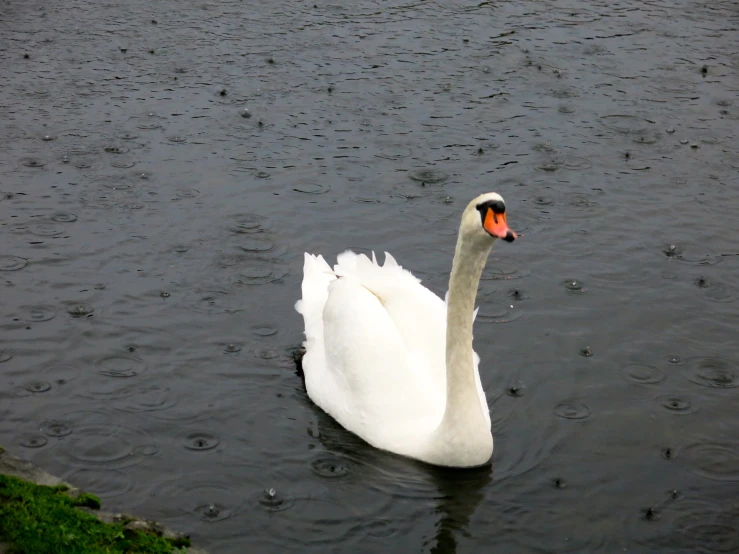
{"x":418,"y":314}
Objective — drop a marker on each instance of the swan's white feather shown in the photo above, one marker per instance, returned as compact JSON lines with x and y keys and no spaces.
{"x":375,"y":349}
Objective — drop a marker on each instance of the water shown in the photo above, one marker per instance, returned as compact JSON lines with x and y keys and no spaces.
{"x":160,"y":182}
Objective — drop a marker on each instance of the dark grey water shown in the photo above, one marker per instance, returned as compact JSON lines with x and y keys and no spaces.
{"x":164,"y":165}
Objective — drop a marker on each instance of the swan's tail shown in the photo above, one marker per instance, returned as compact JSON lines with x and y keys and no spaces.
{"x":317,"y":275}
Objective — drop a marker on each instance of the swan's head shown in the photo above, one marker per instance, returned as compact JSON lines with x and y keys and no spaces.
{"x":485,"y":217}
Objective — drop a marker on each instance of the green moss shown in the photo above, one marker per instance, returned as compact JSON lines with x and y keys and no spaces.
{"x":36,"y":518}
{"x":88,"y":501}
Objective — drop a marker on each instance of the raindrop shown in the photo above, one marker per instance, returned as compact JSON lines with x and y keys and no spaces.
{"x":112,"y":149}
{"x":199,"y":440}
{"x":274,"y":501}
{"x":713,"y":372}
{"x":38,"y":386}
{"x":32,"y":162}
{"x":573,"y":285}
{"x":559,"y":483}
{"x":668,"y":453}
{"x":678,"y":405}
{"x":672,"y":251}
{"x":650,"y":514}
{"x":428,"y":176}
{"x":572,"y":410}
{"x":586,"y":352}
{"x":33,"y":441}
{"x":262,"y":175}
{"x":80,"y":310}
{"x":330,"y":467}
{"x":232,"y":348}
{"x":672,"y":359}
{"x":543,"y":200}
{"x":213,"y":512}
{"x":670,"y":130}
{"x":177,"y":139}
{"x":56,"y":428}
{"x":5,"y":356}
{"x":515,"y":391}
{"x":246,"y":113}
{"x":246,"y":223}
{"x":48,"y":138}
{"x":164,"y":294}
{"x":63,"y":217}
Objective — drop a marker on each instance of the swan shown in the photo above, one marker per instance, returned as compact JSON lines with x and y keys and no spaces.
{"x":392,"y":362}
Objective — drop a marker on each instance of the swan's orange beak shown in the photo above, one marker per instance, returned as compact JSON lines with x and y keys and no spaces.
{"x":496,"y":225}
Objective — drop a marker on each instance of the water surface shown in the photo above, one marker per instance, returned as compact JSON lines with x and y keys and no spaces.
{"x":164,"y":165}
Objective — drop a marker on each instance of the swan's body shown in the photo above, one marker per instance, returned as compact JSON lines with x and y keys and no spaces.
{"x":390,"y":360}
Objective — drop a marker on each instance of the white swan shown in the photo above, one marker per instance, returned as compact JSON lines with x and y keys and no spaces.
{"x":391,"y":361}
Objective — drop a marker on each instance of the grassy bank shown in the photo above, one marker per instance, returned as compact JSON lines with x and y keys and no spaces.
{"x":47,"y":520}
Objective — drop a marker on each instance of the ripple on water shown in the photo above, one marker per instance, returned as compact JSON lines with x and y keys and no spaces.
{"x":714,"y":460}
{"x":64,"y":217}
{"x":261,"y":272}
{"x":210,"y":497}
{"x":706,"y":528}
{"x":532,"y":527}
{"x":625,"y":123}
{"x":214,"y":301}
{"x":430,"y":176}
{"x":715,"y":291}
{"x":572,"y":409}
{"x":381,"y":198}
{"x":145,"y":398}
{"x":331,"y":467}
{"x":58,"y":375}
{"x":56,"y":428}
{"x":120,"y":365}
{"x":247,"y":223}
{"x":712,"y":371}
{"x":679,"y":253}
{"x":107,"y":483}
{"x":273,"y":500}
{"x":678,"y":404}
{"x":36,"y":314}
{"x":32,"y":161}
{"x":312,"y":188}
{"x":12,"y":263}
{"x":41,"y":228}
{"x":644,"y":374}
{"x":115,"y":446}
{"x":198,"y":440}
{"x":32,"y":440}
{"x":187,"y":193}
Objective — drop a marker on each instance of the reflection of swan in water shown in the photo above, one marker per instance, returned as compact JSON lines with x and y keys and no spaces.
{"x":425,"y":504}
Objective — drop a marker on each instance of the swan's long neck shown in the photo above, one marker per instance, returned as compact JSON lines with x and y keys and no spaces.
{"x":464,"y":425}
